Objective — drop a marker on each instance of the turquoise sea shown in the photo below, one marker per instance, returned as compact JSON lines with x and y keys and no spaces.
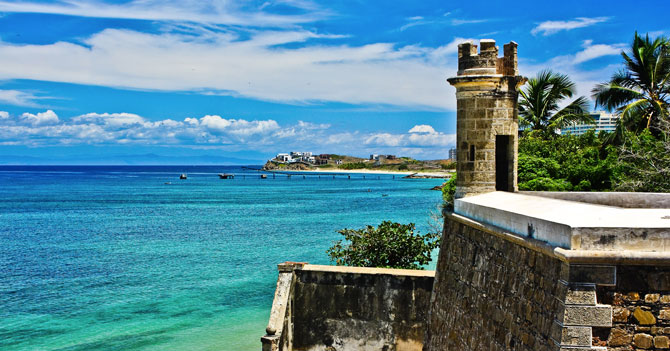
{"x":113,"y":258}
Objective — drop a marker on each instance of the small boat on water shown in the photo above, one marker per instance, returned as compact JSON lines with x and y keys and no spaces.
{"x":226,"y":176}
{"x":183,"y":176}
{"x":264,"y":176}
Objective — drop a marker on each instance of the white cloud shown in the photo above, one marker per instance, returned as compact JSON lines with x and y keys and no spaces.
{"x":110,"y":119}
{"x":422,"y":128}
{"x":551,"y":27}
{"x":18,"y":98}
{"x":421,"y":135}
{"x":4,"y":114}
{"x":213,"y":131}
{"x":213,"y":11}
{"x":41,"y":118}
{"x":252,"y":67}
{"x":420,"y":21}
{"x":458,"y":22}
{"x":385,"y":139}
{"x":592,"y":51}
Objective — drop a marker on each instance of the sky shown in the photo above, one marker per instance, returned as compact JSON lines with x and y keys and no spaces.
{"x":236,"y":82}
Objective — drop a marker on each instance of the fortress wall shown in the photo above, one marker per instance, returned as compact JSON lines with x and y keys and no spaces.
{"x":351,"y":308}
{"x":493,"y":294}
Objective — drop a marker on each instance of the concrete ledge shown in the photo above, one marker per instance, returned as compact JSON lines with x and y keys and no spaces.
{"x":368,"y":270}
{"x":637,"y":258}
{"x":617,"y":199}
{"x":569,"y":224}
{"x":599,"y":257}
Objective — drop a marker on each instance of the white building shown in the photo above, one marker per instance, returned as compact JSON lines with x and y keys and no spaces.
{"x":283,"y":157}
{"x":603,"y":122}
{"x":296,"y":156}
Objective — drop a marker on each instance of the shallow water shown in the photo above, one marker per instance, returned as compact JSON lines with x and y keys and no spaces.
{"x":113,"y":258}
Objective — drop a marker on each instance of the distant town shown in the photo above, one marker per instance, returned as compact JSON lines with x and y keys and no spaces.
{"x":323,"y":159}
{"x":305,"y":160}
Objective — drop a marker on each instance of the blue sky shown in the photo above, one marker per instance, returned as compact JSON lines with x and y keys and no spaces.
{"x":119,"y":81}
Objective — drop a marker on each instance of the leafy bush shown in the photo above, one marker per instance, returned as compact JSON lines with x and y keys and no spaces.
{"x":391,"y":245}
{"x":546,"y":184}
{"x":566,"y":163}
{"x":450,"y":165}
{"x":645,"y":161}
{"x":403,"y":167}
{"x":353,"y":165}
{"x":448,"y":192}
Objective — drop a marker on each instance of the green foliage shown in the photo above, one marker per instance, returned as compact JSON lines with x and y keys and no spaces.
{"x":567,"y":163}
{"x":450,"y":165}
{"x":639,"y":92}
{"x":403,"y":167}
{"x":448,"y":192}
{"x":540,"y":101}
{"x":546,"y":184}
{"x":353,"y":165}
{"x":327,"y":165}
{"x":391,"y":245}
{"x":645,"y":161}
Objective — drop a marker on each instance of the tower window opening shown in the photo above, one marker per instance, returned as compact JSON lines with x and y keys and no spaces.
{"x":472,"y":153}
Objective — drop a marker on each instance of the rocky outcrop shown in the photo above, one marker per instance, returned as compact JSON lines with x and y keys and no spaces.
{"x":276,"y":166}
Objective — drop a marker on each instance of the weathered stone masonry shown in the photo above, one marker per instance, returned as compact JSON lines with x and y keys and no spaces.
{"x":492,"y":294}
{"x":641,"y":309}
{"x":487,"y":123}
{"x":516,"y":293}
{"x":348,"y":308}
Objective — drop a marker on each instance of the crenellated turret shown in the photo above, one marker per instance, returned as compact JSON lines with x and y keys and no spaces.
{"x":487,"y":119}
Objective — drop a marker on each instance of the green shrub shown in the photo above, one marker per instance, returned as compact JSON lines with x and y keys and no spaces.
{"x":448,"y":192}
{"x":546,"y":184}
{"x":353,"y":165}
{"x":391,"y":245}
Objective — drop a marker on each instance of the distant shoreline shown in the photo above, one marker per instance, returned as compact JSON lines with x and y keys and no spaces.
{"x":371,"y":171}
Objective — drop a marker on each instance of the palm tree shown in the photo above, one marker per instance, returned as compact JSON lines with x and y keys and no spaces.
{"x":540,"y":103}
{"x":640,"y":92}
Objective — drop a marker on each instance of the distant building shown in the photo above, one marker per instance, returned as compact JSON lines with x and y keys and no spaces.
{"x":452,"y":154}
{"x":603,"y":122}
{"x":390,"y":157}
{"x":374,"y":157}
{"x":283,"y":157}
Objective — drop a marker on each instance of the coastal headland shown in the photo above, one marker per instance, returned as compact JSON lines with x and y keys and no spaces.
{"x":297,"y":162}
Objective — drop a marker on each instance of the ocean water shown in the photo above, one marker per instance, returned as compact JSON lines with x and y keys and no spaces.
{"x":113,"y":258}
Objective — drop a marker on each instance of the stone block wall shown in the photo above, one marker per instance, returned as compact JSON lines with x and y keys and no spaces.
{"x":330,"y":308}
{"x":499,"y":291}
{"x":493,"y":294}
{"x":641,"y":309}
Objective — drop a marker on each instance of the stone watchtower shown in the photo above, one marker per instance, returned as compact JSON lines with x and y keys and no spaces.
{"x":487,"y":120}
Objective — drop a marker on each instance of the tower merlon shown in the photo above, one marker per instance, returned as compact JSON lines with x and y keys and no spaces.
{"x":486,"y":61}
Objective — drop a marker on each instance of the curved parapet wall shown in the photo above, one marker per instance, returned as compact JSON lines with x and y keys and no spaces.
{"x":348,"y":308}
